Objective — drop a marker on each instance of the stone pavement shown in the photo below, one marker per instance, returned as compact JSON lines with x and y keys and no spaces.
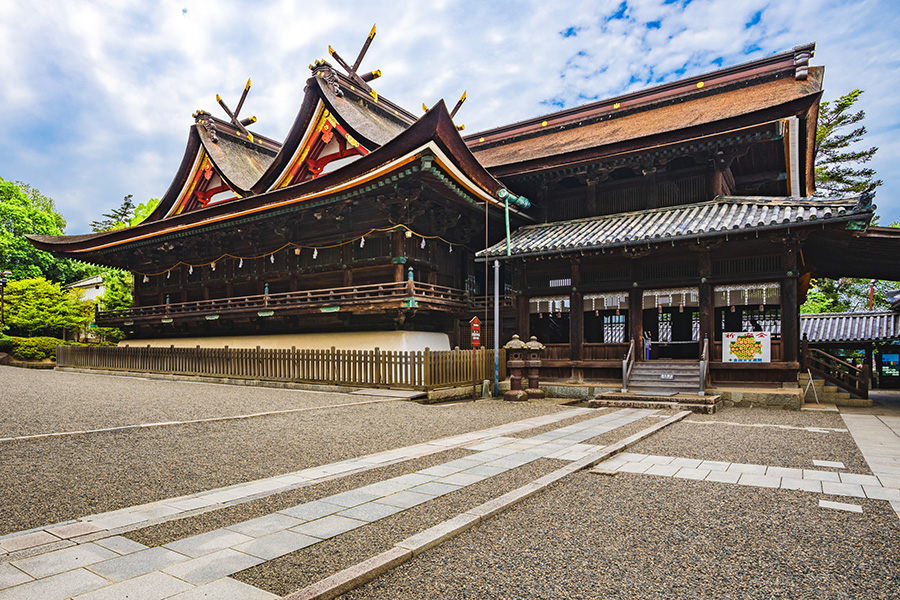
{"x":876,"y":435}
{"x":878,"y":438}
{"x":84,"y":559}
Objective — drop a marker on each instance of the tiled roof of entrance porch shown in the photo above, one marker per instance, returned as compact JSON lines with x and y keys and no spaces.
{"x":723,"y":215}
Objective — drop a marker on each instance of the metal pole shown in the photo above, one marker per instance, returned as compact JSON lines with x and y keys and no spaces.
{"x":496,"y":328}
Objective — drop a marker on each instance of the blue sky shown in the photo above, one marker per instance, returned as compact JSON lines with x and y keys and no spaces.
{"x":97,"y":96}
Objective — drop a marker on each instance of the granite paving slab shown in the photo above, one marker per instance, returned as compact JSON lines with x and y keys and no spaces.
{"x":328,"y":527}
{"x":67,"y":559}
{"x":152,"y":586}
{"x":276,"y":544}
{"x":207,"y":543}
{"x":213,"y":566}
{"x":55,"y":587}
{"x":138,"y":563}
{"x":225,"y":588}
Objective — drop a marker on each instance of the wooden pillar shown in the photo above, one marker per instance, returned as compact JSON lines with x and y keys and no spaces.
{"x":707,"y":312}
{"x":790,"y":320}
{"x":523,"y":318}
{"x":636,"y":320}
{"x":576,"y":314}
{"x":347,"y":262}
{"x":397,"y":253}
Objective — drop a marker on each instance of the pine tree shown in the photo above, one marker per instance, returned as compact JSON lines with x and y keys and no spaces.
{"x":840,"y":169}
{"x":117,"y":218}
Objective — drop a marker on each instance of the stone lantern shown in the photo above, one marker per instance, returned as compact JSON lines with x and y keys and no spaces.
{"x":515,"y":362}
{"x":533,"y":362}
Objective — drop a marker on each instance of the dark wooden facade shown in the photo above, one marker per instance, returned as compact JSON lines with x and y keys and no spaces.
{"x":684,"y":210}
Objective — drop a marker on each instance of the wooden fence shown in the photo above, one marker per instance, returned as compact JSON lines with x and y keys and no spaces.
{"x":414,"y":370}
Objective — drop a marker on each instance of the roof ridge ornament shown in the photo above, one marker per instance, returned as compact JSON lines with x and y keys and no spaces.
{"x":239,"y":123}
{"x":352,"y":70}
{"x":802,"y":54}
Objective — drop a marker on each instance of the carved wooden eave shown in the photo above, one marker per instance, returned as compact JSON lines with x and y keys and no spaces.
{"x":430,"y":153}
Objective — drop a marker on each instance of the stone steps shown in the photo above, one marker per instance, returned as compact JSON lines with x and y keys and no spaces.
{"x":692,"y":402}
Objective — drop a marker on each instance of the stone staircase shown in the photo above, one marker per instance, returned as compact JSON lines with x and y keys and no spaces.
{"x":661,"y":377}
{"x":828,"y":393}
{"x":662,"y":384}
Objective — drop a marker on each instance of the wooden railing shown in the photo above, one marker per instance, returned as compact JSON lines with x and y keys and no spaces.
{"x":627,"y":365}
{"x":416,"y":370}
{"x":412,"y":291}
{"x":850,"y":378}
{"x":481,"y":303}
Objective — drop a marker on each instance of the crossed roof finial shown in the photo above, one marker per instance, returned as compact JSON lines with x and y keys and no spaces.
{"x":239,"y":123}
{"x":362,"y":80}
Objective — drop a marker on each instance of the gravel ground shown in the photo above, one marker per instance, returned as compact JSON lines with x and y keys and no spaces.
{"x":770,"y":446}
{"x":36,"y":401}
{"x":299,"y":569}
{"x":163,"y":533}
{"x":634,"y":536}
{"x":50,"y":480}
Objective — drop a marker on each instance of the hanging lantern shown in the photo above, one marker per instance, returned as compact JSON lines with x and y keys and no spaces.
{"x":540,"y":315}
{"x":409,"y":233}
{"x":681,"y":308}
{"x":296,"y":251}
{"x":732,"y":308}
{"x":617,"y":312}
{"x":596,"y":313}
{"x":659,"y":308}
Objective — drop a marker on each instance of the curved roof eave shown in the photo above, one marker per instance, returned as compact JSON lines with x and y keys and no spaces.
{"x":435,"y":127}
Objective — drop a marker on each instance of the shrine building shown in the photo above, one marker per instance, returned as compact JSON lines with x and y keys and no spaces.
{"x":663,"y":223}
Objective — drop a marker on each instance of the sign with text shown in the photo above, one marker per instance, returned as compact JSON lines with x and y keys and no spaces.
{"x":476,"y":332}
{"x":747,"y":347}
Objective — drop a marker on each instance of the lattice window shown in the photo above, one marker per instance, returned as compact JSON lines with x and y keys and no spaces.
{"x":601,"y":276}
{"x":748,"y":264}
{"x":675,"y":270}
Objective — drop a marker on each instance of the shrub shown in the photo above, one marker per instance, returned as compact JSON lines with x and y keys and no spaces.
{"x":36,"y":348}
{"x":6,"y":344}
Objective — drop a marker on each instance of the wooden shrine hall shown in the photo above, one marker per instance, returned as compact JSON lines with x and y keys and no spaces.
{"x":674,"y":225}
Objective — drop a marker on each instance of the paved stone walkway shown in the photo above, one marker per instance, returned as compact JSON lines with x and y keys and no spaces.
{"x":98,"y":565}
{"x":878,"y":438}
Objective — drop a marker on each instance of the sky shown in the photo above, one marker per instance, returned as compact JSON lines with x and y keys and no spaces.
{"x":97,"y":96}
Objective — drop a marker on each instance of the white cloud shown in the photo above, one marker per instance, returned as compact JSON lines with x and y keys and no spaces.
{"x":98,"y":96}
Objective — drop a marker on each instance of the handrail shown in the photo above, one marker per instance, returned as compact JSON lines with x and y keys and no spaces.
{"x":832,"y":369}
{"x":704,"y":365}
{"x":627,"y":365}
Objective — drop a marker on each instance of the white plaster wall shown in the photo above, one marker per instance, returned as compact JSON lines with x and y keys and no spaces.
{"x":342,"y":340}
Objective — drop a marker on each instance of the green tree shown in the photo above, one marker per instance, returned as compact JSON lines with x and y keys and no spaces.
{"x":839,"y":167}
{"x":118,"y":289}
{"x":36,"y":306}
{"x":24,"y":210}
{"x":117,"y":218}
{"x":143,"y":210}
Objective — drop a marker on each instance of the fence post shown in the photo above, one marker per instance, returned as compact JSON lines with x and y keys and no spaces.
{"x":427,"y":375}
{"x":377,"y":367}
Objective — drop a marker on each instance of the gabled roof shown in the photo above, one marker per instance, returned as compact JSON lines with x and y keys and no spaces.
{"x":371,"y":121}
{"x":778,"y":86}
{"x":431,"y":147}
{"x":725,"y":214}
